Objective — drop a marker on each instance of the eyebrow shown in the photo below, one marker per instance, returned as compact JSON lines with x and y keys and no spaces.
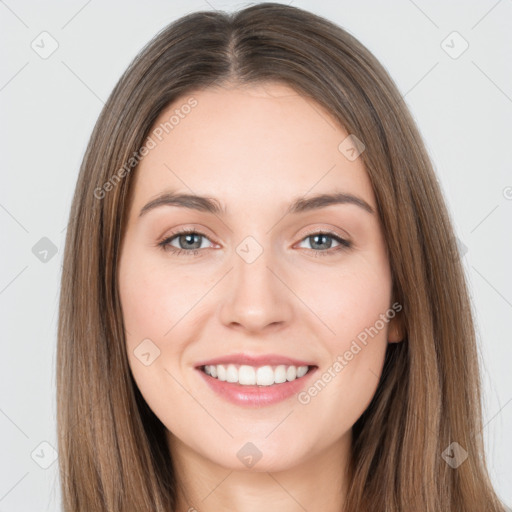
{"x":212,"y":205}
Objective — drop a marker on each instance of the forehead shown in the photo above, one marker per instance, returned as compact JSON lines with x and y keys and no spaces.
{"x":248,"y":144}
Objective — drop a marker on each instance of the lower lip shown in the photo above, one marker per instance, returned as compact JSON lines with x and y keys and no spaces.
{"x":256,"y":396}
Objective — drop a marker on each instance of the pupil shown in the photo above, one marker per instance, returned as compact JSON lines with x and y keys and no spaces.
{"x":189,"y":240}
{"x":316,"y":237}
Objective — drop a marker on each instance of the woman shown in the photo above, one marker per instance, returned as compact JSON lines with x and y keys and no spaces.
{"x":263,"y":305}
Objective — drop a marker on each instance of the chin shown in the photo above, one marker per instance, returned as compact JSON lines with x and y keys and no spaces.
{"x":258,"y":455}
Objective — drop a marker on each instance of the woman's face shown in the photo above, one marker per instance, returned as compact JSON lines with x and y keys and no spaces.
{"x":261,"y":276}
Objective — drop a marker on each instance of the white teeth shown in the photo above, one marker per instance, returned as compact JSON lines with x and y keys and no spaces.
{"x":246,"y":375}
{"x":280,"y":374}
{"x":249,"y":375}
{"x":301,"y":371}
{"x":265,"y":376}
{"x":221,"y":371}
{"x":291,"y":373}
{"x":231,"y":373}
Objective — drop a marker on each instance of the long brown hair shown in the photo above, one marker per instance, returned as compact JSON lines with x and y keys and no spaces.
{"x":112,"y":450}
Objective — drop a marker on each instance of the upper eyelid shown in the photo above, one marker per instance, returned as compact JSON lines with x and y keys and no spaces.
{"x":328,"y":231}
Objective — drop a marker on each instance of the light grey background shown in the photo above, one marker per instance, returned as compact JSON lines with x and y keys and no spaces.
{"x":463,"y":107}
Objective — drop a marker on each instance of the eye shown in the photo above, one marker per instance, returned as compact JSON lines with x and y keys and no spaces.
{"x":189,"y":242}
{"x":323,"y":240}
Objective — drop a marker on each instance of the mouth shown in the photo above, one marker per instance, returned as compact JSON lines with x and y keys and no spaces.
{"x":255,"y":380}
{"x":256,"y":386}
{"x":261,"y":376}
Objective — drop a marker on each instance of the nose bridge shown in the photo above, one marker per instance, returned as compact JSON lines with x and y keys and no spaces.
{"x":256,"y":297}
{"x":252,"y":262}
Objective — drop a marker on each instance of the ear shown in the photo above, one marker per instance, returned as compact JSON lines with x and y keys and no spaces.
{"x":396,"y":329}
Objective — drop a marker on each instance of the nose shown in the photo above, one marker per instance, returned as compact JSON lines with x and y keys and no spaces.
{"x":255,"y":296}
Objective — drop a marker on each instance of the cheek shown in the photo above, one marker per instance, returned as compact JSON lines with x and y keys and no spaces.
{"x":147,"y":301}
{"x":153,"y":297}
{"x":349,"y":299}
{"x":354,"y":303}
{"x":152,"y":302}
{"x":160,"y":305}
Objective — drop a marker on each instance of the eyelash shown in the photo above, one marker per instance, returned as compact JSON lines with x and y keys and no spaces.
{"x":165,"y":244}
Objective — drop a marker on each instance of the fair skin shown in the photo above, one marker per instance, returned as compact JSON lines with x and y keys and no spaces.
{"x":255,"y":149}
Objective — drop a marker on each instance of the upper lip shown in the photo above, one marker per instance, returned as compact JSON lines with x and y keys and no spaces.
{"x":255,"y":360}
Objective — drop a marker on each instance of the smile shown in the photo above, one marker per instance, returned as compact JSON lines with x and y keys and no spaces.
{"x":246,"y":375}
{"x":251,"y":386}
